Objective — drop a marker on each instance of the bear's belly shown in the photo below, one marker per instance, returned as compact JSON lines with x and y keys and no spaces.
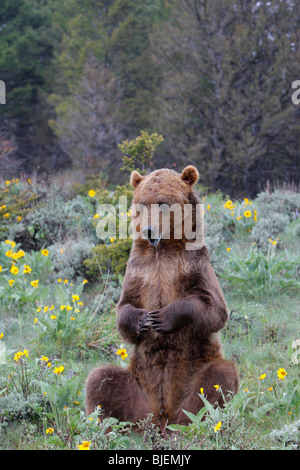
{"x":164,"y":366}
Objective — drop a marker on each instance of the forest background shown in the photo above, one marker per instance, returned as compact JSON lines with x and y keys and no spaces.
{"x":214,"y":78}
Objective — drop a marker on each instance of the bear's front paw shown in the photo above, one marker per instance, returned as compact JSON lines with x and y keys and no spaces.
{"x":160,"y":323}
{"x":145,"y":323}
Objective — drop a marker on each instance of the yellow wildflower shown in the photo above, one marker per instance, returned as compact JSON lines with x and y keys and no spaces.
{"x":84,"y":282}
{"x":44,"y":358}
{"x":9,"y":253}
{"x":92,"y":193}
{"x":49,"y":431}
{"x":122,"y":353}
{"x":0,"y":268}
{"x":45,"y":252}
{"x":35,"y":283}
{"x":27,"y":269}
{"x":217,"y":387}
{"x":53,"y":317}
{"x":281,"y":374}
{"x":68,"y":307}
{"x":255,"y":215}
{"x":65,"y":281}
{"x":75,"y":297}
{"x":6,"y":215}
{"x":228,"y":249}
{"x":228,"y":204}
{"x":84,"y":446}
{"x":58,"y":370}
{"x":17,"y":356}
{"x":247,"y":214}
{"x":1,"y":335}
{"x":14,"y":269}
{"x":11,"y":281}
{"x":218,"y":426}
{"x":20,"y":354}
{"x":208,"y":207}
{"x":262,"y":377}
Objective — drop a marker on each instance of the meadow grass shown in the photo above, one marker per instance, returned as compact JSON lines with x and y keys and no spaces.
{"x":55,"y":331}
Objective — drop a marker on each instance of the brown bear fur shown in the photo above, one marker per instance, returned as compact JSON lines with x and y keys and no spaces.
{"x":171,"y":309}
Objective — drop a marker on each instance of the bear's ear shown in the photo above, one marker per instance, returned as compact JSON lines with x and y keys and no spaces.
{"x":135,"y":179}
{"x":190,"y":175}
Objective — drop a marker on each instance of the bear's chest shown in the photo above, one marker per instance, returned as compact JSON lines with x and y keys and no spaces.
{"x":159,"y":280}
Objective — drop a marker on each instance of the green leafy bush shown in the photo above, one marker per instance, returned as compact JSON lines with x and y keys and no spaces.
{"x":46,"y":225}
{"x":288,"y":436}
{"x":276,"y":211}
{"x":139,"y":151}
{"x":108,"y":258}
{"x":68,"y":258}
{"x":24,"y":276}
{"x":16,"y":200}
{"x":259,"y":274}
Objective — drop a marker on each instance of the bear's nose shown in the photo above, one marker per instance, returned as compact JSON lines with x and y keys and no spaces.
{"x":150,"y":233}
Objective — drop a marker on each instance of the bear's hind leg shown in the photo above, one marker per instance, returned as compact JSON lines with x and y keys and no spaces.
{"x":118,"y":394}
{"x":221,"y":373}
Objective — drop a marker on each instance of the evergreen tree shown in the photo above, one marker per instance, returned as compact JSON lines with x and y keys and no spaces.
{"x":226,"y":99}
{"x":25,"y":55}
{"x":110,"y":40}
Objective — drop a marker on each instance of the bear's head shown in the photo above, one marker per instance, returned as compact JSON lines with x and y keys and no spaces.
{"x":159,"y":201}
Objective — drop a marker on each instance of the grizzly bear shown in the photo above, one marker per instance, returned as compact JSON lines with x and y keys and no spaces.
{"x":171,"y":309}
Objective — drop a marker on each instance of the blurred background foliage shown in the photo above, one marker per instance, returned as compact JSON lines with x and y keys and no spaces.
{"x":212,"y":77}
